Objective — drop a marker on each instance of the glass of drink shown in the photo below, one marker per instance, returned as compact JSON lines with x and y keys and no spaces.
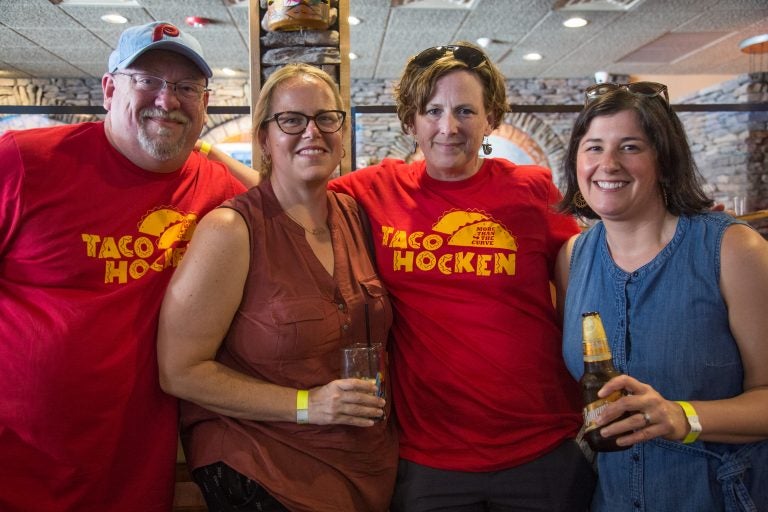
{"x":738,"y":205}
{"x":366,"y":362}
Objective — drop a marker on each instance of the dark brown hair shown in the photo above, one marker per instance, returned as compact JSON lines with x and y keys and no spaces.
{"x":679,"y":176}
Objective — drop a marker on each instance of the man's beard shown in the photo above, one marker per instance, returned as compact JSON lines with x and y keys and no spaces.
{"x":160,"y":145}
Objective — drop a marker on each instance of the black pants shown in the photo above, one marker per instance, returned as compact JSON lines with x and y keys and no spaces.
{"x":559,"y":481}
{"x":226,"y":490}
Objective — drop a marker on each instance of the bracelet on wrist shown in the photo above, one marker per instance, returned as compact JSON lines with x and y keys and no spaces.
{"x":302,"y":407}
{"x":693,"y":422}
{"x":205,"y":148}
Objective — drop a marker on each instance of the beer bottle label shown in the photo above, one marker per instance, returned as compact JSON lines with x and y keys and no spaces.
{"x":596,"y":351}
{"x":593,"y":410}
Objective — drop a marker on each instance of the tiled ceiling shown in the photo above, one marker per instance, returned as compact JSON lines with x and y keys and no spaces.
{"x":55,"y":38}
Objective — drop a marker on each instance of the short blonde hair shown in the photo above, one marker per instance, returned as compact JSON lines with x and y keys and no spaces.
{"x":263,"y":106}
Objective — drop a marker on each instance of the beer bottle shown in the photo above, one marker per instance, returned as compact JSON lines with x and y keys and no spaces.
{"x":598,"y":369}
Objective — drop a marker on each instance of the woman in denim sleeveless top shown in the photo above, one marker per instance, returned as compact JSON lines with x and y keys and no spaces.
{"x":682,"y":293}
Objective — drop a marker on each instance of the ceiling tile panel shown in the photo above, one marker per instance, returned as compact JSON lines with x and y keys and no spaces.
{"x":389,"y":35}
{"x":28,"y":55}
{"x":240,"y":17}
{"x":724,"y":21}
{"x":693,"y":7}
{"x":11,"y":38}
{"x":53,"y":38}
{"x":90,"y":16}
{"x":367,"y":38}
{"x":33,"y":14}
{"x":410,"y":31}
{"x":41,"y":69}
{"x":503,"y":20}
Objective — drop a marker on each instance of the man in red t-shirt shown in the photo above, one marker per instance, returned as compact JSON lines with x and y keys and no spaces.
{"x":94,"y":218}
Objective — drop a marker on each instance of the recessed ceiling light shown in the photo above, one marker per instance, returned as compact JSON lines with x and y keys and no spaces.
{"x":197,"y":21}
{"x":575,"y":22}
{"x":352,"y":56}
{"x":532,"y":56}
{"x":229,"y":71}
{"x":353,"y":20}
{"x":114,"y":18}
{"x":483,"y":42}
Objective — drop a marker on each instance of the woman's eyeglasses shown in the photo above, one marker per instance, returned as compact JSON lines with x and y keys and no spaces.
{"x":294,"y":123}
{"x":646,"y":89}
{"x":472,"y":57}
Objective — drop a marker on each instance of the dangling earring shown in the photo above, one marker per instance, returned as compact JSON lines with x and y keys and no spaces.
{"x":664,"y":195}
{"x":487,"y":147}
{"x":579,"y":201}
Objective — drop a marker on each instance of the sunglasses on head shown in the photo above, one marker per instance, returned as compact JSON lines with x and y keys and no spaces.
{"x":472,"y":57}
{"x":646,"y":89}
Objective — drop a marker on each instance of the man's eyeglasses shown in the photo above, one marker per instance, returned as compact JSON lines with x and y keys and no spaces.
{"x":294,"y":123}
{"x":646,"y":89}
{"x":155,"y":84}
{"x":472,"y":57}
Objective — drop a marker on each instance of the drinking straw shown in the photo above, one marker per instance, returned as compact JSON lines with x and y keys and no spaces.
{"x":368,"y":339}
{"x":367,"y":326}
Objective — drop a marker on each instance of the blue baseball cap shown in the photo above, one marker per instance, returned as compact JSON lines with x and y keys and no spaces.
{"x":158,"y":35}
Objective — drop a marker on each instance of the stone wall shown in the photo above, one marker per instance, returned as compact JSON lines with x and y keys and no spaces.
{"x":226,"y":92}
{"x":730,"y":148}
{"x":43,"y":92}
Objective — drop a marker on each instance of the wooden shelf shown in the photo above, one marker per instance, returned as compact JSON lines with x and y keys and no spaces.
{"x":255,"y":33}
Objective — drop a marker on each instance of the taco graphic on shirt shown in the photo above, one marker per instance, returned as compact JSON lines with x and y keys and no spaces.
{"x":474,"y":229}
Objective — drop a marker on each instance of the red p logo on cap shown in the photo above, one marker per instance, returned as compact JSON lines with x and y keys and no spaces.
{"x":164,"y":29}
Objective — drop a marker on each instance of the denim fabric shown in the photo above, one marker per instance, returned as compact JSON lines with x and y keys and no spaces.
{"x":667,"y":325}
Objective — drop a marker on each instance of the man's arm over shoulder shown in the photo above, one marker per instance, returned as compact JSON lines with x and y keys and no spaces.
{"x":246,"y":175}
{"x":217,"y":172}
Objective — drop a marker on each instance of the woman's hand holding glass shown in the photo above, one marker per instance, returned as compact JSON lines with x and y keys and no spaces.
{"x":346,"y":402}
